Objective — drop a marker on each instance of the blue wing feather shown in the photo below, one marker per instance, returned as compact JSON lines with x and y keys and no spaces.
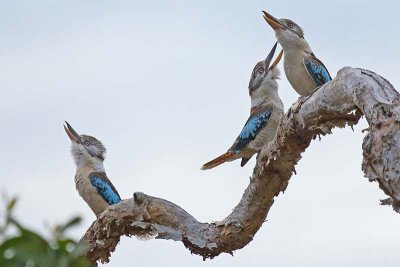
{"x":105,"y":188}
{"x":253,"y":125}
{"x":317,"y":70}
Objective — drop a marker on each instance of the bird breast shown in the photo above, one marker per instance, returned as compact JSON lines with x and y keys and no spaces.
{"x":89,"y":193}
{"x":297,"y":74}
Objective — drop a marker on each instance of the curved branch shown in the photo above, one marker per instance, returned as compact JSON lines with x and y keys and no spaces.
{"x":353,"y":93}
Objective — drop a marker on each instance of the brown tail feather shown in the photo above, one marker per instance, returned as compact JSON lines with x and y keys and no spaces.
{"x":228,"y":156}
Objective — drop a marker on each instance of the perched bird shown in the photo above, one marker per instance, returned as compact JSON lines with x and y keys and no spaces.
{"x":265,"y":114}
{"x":304,"y":71}
{"x":90,"y":177}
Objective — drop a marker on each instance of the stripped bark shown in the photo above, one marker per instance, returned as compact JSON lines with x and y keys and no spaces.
{"x":341,"y":102}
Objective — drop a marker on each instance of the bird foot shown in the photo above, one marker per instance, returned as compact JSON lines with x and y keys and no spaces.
{"x":368,"y":129}
{"x":296,"y":107}
{"x":303,"y":99}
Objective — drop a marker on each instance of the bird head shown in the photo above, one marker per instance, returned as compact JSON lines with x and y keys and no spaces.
{"x":287,"y":31}
{"x":85,"y":149}
{"x":263,"y":79}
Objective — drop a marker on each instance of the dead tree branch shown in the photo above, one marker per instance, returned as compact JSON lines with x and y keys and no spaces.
{"x":353,"y":93}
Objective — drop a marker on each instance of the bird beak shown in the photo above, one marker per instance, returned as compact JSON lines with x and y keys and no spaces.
{"x":72,"y":134}
{"x":270,"y":56}
{"x":272,"y":21}
{"x":276,"y":60}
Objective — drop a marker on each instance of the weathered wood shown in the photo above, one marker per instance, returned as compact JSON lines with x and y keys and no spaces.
{"x":353,"y":93}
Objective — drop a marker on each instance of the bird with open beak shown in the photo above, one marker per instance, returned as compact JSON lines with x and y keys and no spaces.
{"x":90,"y":178}
{"x":265,"y":114}
{"x":303,"y":69}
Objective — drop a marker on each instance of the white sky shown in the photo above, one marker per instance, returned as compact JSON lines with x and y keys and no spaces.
{"x":164,"y":85}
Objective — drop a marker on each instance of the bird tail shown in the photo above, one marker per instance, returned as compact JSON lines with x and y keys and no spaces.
{"x":244,"y":161}
{"x":228,"y":156}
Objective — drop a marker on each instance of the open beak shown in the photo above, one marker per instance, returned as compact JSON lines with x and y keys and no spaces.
{"x":272,"y":21}
{"x":270,"y":56}
{"x":277,"y":60}
{"x":72,"y":134}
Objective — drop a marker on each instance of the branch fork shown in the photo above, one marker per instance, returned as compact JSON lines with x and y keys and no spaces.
{"x":352,"y":94}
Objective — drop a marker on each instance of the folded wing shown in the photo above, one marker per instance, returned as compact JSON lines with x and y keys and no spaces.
{"x":258,"y":120}
{"x":104,"y":187}
{"x":317,"y":70}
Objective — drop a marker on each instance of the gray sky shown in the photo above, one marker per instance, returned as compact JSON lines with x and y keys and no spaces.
{"x":164,"y":85}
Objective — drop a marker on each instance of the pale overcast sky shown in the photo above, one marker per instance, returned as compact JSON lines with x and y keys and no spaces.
{"x":164,"y":85}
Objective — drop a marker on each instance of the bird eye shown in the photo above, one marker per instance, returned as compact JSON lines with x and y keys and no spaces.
{"x":290,"y":25}
{"x":260,"y":70}
{"x":86,"y":143}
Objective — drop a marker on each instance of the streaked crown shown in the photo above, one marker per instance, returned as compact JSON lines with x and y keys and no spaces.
{"x":263,"y":73}
{"x":84,"y":146}
{"x":293,"y":27}
{"x":94,"y":147}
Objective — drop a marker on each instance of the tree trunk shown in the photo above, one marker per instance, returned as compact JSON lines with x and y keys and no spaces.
{"x":341,"y":102}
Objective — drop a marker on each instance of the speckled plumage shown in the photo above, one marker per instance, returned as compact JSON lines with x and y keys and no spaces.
{"x":303,"y":70}
{"x":251,"y":129}
{"x":265,"y":114}
{"x":91,"y":180}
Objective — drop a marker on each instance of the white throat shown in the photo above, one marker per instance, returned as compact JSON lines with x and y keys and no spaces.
{"x":257,"y":101}
{"x":267,"y":93}
{"x":83,"y":160}
{"x":272,"y":98}
{"x":291,"y":42}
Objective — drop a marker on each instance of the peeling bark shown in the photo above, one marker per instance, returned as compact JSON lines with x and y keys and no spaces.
{"x":341,"y":102}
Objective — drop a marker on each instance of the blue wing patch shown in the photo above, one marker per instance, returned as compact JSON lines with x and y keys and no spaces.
{"x":105,"y":188}
{"x":251,"y":128}
{"x":317,"y":70}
